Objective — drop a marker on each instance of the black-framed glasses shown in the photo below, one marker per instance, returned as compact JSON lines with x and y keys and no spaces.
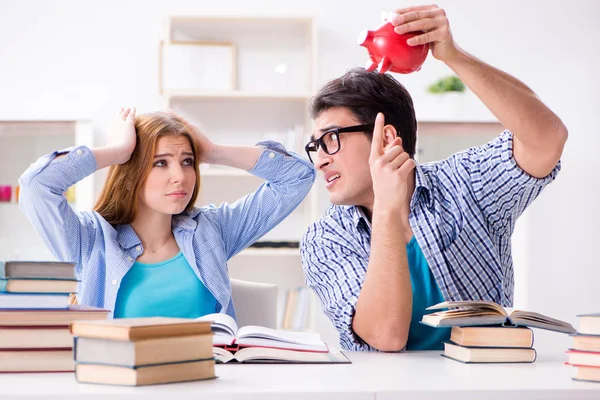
{"x":330,"y":140}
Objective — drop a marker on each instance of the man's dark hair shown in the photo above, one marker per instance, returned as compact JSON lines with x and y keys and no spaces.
{"x":367,"y":93}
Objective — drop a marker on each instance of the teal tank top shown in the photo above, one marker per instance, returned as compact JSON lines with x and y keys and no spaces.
{"x":166,"y":289}
{"x":425,"y":293}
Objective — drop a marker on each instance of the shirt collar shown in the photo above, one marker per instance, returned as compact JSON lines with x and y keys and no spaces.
{"x":127,"y":237}
{"x":422,"y":188}
{"x":359,"y":214}
{"x":186,"y":220}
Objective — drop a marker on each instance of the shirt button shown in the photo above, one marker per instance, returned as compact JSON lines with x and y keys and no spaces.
{"x":130,"y":258}
{"x":271,"y":155}
{"x":79,"y":152}
{"x":138,"y":248}
{"x":114,"y":282}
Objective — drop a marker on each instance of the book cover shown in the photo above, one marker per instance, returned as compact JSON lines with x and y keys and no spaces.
{"x":143,"y":352}
{"x":37,"y":360}
{"x":476,"y":355}
{"x":131,"y":329}
{"x":489,"y":362}
{"x":50,"y":316}
{"x":31,"y":337}
{"x":492,"y":336}
{"x":34,"y":300}
{"x":145,"y":375}
{"x":32,"y":286}
{"x":37,"y":269}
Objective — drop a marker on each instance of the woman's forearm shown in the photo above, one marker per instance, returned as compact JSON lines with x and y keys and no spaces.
{"x":107,"y":156}
{"x":243,"y":157}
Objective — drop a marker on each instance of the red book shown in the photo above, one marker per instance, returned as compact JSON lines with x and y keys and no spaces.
{"x":586,"y":373}
{"x":584,"y":358}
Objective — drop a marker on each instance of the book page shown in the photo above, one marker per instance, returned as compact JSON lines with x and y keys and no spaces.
{"x":254,"y":354}
{"x":535,"y":320}
{"x":476,"y":305}
{"x":221,"y":355}
{"x":267,"y":337}
{"x":223,"y":326}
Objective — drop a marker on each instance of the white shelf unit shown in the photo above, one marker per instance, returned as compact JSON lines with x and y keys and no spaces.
{"x":268,"y":252}
{"x":273,"y":81}
{"x":223,"y":172}
{"x":275,"y":66}
{"x":438,"y":139}
{"x":182,"y":94}
{"x":21,"y":144}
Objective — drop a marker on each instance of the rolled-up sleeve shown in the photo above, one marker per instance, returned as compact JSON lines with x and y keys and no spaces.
{"x":335,"y":272}
{"x":66,"y":233}
{"x":289,"y":179}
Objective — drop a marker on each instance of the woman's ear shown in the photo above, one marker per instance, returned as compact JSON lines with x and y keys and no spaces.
{"x":389,"y":134}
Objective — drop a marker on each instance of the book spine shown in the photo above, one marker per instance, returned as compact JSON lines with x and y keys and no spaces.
{"x":74,"y":349}
{"x":289,"y":306}
{"x":509,"y":323}
{"x":35,"y":349}
{"x":300,"y":317}
{"x":3,"y":285}
{"x":3,"y":269}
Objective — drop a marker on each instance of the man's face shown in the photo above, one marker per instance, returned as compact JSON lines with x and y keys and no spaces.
{"x":346,"y":173}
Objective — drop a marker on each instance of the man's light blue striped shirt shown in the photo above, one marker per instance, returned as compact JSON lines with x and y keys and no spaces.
{"x":462,"y":213}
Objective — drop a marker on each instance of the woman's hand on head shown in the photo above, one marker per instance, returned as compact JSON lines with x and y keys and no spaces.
{"x":207,"y":147}
{"x":121,"y":135}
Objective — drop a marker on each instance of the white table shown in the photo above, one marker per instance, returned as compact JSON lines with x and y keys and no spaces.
{"x":414,"y":375}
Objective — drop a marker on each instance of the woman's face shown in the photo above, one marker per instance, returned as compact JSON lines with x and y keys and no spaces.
{"x":170,"y":184}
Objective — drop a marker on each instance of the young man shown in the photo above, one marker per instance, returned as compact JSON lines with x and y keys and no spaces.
{"x":400,"y":237}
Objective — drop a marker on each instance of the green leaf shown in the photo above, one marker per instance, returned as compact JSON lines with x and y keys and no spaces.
{"x":447,"y":84}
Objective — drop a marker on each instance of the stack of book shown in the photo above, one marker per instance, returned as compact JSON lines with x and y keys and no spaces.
{"x":584,"y":355}
{"x":35,"y":316}
{"x":143,"y":351}
{"x":490,"y":344}
{"x":485,"y":332}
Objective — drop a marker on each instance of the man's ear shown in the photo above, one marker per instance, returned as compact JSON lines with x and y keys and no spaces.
{"x":389,"y":134}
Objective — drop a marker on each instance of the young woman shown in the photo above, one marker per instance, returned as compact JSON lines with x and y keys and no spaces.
{"x":145,"y":250}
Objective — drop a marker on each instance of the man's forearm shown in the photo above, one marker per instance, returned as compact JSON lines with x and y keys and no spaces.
{"x":514,"y":104}
{"x":384,"y":307}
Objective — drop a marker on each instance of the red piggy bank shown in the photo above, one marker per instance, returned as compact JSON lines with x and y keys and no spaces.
{"x":390,"y":52}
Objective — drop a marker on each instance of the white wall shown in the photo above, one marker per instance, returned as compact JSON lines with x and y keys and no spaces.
{"x":82,"y":60}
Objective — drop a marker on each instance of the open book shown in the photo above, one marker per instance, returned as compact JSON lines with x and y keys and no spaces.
{"x":471,"y":313}
{"x":258,"y":344}
{"x":264,"y":355}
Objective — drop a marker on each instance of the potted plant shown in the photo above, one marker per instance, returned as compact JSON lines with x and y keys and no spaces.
{"x":449,"y":93}
{"x":448,"y":84}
